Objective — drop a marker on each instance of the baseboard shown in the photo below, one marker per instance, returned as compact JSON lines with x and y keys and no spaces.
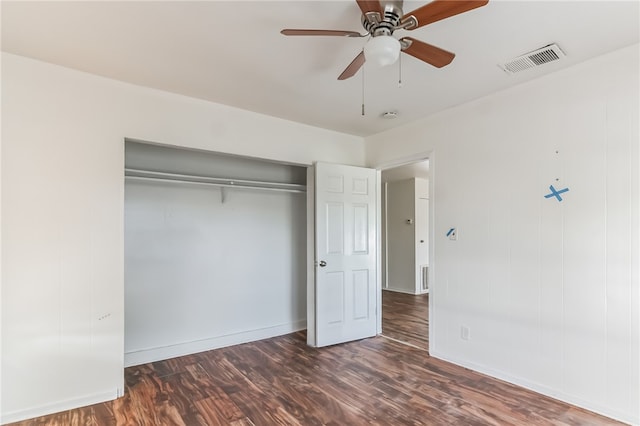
{"x":171,"y":351}
{"x":537,"y":387}
{"x":151,"y":355}
{"x":56,"y":407}
{"x":401,"y":291}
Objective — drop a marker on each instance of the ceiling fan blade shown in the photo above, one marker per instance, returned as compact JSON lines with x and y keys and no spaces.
{"x":441,"y":9}
{"x":369,"y":6}
{"x":425,"y":52}
{"x":353,"y":67}
{"x":302,"y":32}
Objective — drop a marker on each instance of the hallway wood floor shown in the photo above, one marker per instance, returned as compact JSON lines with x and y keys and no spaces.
{"x":405,"y":317}
{"x":281,"y":381}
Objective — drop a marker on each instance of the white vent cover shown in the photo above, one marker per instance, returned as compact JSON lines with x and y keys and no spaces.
{"x":424,"y":270}
{"x":538,"y":57}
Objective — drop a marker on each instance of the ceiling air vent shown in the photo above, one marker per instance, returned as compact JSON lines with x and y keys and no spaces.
{"x":533,"y":59}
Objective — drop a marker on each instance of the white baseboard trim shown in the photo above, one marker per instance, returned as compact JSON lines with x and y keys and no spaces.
{"x":400,"y":291}
{"x":56,"y":407}
{"x":171,"y":351}
{"x":542,"y":389}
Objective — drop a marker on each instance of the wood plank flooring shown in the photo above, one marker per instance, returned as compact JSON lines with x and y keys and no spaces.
{"x":405,"y":317}
{"x":281,"y":381}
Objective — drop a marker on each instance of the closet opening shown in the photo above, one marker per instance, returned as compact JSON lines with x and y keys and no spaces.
{"x":215,"y":250}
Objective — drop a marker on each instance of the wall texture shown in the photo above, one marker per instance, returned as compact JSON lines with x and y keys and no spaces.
{"x":548,"y":289}
{"x":62,"y":207}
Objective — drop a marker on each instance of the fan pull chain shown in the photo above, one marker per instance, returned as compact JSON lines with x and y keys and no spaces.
{"x":363,"y":91}
{"x":400,"y":72}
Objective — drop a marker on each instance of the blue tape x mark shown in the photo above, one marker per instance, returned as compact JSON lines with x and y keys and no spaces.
{"x":556,"y":193}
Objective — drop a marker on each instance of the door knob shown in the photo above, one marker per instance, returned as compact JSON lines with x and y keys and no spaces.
{"x":323,"y":263}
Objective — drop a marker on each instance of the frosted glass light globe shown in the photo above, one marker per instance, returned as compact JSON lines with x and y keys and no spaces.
{"x":382,"y":50}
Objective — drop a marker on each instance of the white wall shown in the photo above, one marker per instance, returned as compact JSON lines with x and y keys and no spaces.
{"x":548,"y":289}
{"x":401,"y":238}
{"x":62,"y":216}
{"x":201,"y":274}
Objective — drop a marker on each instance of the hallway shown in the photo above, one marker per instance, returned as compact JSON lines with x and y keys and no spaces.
{"x":405,"y":317}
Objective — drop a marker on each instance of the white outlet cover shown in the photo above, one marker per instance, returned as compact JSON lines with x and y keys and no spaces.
{"x":465,"y":332}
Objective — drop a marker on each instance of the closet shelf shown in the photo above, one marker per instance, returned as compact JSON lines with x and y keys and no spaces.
{"x":151,"y":175}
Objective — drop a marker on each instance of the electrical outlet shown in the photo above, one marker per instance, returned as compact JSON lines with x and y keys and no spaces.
{"x":465,"y":333}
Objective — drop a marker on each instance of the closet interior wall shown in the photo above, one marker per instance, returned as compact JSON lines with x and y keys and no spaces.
{"x":207,"y":265}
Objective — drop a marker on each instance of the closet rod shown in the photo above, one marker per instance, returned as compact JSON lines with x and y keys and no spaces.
{"x":206,"y":180}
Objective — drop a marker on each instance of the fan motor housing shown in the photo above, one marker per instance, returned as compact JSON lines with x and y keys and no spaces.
{"x":377,"y":25}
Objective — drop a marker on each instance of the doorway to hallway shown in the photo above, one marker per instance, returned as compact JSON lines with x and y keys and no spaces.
{"x":405,"y":317}
{"x":405,"y":253}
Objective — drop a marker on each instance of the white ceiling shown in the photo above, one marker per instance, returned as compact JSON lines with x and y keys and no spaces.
{"x":231,"y":52}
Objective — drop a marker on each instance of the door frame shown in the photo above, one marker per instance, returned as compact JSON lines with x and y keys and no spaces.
{"x":403,"y":161}
{"x":311,"y":256}
{"x":311,"y":270}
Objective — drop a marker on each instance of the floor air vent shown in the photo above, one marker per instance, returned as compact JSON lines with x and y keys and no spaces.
{"x":538,"y":57}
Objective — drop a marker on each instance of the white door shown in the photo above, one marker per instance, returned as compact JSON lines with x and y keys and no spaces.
{"x":346,"y":247}
{"x":422,"y":242}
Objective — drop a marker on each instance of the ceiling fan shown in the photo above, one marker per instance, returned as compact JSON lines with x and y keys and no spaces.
{"x":381,"y":18}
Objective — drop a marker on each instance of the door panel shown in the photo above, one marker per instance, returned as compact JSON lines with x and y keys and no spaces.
{"x":360,"y":229}
{"x":361,"y":295}
{"x":335,"y":228}
{"x":345,"y":287}
{"x":333,"y":295}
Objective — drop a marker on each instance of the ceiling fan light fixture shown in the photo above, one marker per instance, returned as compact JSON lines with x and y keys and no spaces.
{"x":382,"y":50}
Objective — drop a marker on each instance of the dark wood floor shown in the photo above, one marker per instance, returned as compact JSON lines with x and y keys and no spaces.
{"x":281,"y":381}
{"x":405,"y":317}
